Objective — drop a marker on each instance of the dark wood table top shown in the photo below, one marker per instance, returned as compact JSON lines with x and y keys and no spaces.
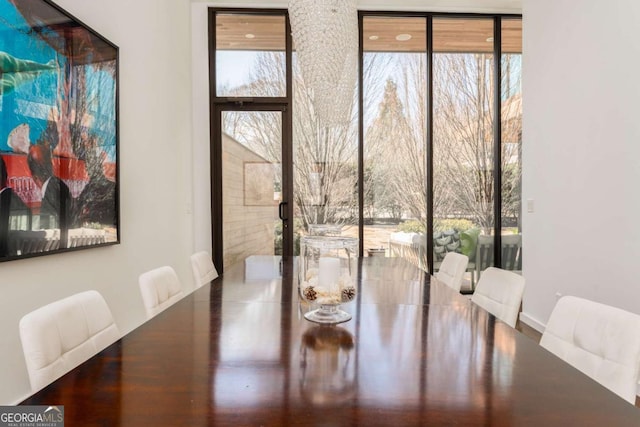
{"x":240,"y":353}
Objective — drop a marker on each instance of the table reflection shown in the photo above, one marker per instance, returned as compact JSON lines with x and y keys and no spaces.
{"x":262,"y":267}
{"x":327,"y":365}
{"x":412,"y":334}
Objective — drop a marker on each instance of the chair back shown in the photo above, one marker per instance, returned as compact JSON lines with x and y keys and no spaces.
{"x":601,"y":341}
{"x":60,"y":336}
{"x":500,"y":293}
{"x":511,"y":247}
{"x":160,"y":288}
{"x":203,"y":269}
{"x":484,"y":253}
{"x":452,"y":269}
{"x":512,"y":252}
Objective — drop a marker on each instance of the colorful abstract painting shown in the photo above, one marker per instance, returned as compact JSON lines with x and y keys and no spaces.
{"x":58,"y":132}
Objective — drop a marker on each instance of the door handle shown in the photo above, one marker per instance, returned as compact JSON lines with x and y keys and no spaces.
{"x":281,"y":211}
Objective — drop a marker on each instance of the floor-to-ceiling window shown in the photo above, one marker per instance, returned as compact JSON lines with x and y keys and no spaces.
{"x":463,"y":138}
{"x":511,"y":143}
{"x":430,"y":153}
{"x":325,"y":168}
{"x":394,"y":122}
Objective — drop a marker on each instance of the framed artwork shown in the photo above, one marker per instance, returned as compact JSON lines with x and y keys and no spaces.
{"x":260,"y":184}
{"x":59,"y":183}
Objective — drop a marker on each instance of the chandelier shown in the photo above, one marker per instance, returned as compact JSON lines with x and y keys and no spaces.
{"x":325,"y":33}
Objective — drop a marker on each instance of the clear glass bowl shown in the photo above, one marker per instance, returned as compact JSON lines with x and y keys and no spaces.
{"x":327,"y":274}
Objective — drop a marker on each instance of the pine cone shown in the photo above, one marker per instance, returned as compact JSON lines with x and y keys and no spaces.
{"x":348,"y":294}
{"x":309,"y":293}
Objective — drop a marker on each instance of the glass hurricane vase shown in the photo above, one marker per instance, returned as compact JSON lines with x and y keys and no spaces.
{"x":327,"y":273}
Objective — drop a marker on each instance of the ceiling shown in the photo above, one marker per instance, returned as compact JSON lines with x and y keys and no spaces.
{"x":380,"y":33}
{"x":476,"y":6}
{"x":479,"y":6}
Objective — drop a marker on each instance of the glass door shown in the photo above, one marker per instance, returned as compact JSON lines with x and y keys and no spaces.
{"x":255,"y":194}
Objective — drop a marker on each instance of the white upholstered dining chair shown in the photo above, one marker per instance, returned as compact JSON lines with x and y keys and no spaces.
{"x":160,"y":288}
{"x":452,"y":269}
{"x":500,"y":293}
{"x":203,"y":269}
{"x":601,"y":341}
{"x":61,"y":335}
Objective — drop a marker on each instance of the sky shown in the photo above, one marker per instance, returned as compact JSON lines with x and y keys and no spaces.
{"x":233,"y":67}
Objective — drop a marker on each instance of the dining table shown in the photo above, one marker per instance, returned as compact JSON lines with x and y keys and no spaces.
{"x":239,"y":352}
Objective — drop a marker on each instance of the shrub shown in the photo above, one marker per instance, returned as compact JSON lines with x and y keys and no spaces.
{"x":412,"y":226}
{"x":457,"y":225}
{"x":297,"y":229}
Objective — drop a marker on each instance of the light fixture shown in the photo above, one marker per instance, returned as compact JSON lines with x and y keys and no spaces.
{"x":489,"y":39}
{"x":373,"y":37}
{"x":403,"y":37}
{"x":250,"y":36}
{"x":325,"y":34}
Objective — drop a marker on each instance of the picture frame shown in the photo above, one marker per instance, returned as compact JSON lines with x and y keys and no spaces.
{"x":259,"y":184}
{"x":59,"y":172}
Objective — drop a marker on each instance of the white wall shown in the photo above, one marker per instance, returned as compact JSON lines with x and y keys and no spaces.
{"x":581,"y":153}
{"x":155,"y":189}
{"x":200,"y":105}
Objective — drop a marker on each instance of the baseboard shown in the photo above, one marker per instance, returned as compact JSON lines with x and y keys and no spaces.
{"x":530,"y":321}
